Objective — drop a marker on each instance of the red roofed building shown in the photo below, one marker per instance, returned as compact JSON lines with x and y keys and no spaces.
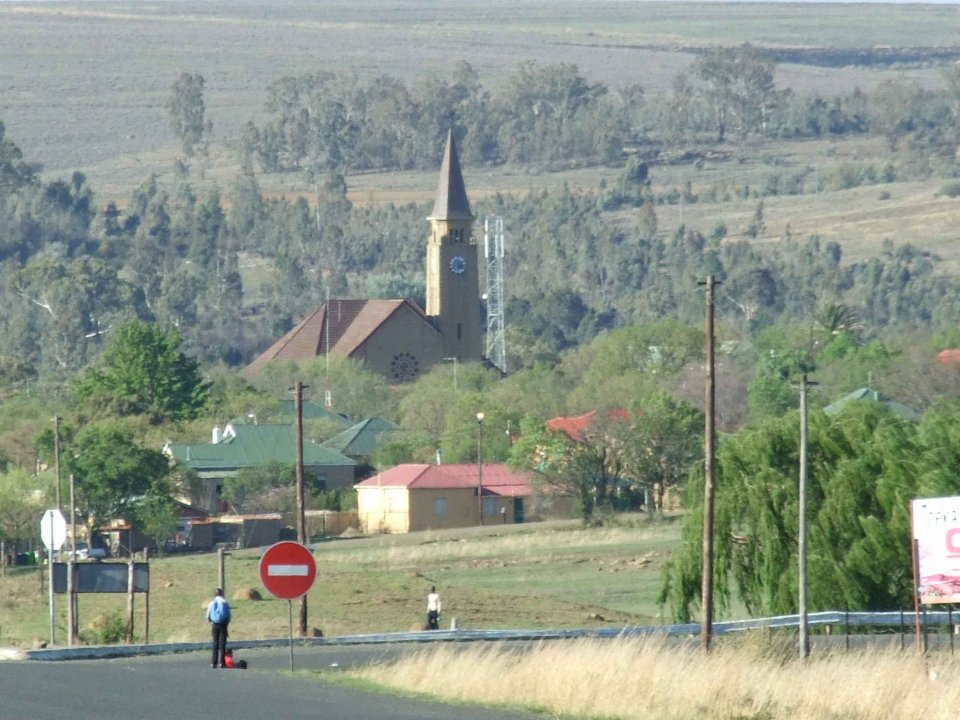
{"x":950,"y":358}
{"x":575,"y":427}
{"x":411,"y":497}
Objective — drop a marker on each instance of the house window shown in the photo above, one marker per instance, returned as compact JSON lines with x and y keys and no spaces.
{"x":489,"y":507}
{"x":440,"y":506}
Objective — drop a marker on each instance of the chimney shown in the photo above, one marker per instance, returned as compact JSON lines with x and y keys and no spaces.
{"x":216,"y":434}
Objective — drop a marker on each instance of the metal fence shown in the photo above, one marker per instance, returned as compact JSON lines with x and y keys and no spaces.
{"x":831,"y":630}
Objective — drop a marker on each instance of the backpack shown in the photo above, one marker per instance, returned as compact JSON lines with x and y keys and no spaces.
{"x":219,"y":611}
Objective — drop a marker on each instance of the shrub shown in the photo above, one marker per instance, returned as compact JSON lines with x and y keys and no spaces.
{"x":106,"y":630}
{"x":115,"y":630}
{"x":951,"y":189}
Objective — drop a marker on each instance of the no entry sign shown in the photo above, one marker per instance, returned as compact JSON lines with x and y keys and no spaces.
{"x":287,"y":570}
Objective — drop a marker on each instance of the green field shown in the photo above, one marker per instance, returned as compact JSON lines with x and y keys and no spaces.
{"x":522,"y":576}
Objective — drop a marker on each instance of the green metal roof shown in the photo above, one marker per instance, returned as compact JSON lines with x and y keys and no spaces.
{"x":254,"y":446}
{"x":313,"y":411}
{"x":361,"y":439}
{"x":869,"y":394}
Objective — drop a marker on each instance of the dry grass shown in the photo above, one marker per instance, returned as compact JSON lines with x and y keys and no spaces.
{"x":640,"y":679}
{"x":473,"y":544}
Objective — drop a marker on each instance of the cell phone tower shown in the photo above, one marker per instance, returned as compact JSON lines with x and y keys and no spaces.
{"x":495,"y":293}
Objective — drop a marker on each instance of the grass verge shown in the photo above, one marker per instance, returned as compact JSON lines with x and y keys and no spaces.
{"x":632,"y":679}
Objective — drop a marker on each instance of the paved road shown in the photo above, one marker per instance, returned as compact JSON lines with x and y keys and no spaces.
{"x":184,"y":686}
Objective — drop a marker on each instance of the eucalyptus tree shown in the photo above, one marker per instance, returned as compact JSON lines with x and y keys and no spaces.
{"x":69,"y":306}
{"x":14,"y":172}
{"x":187,"y":112}
{"x":739,"y":88}
{"x":541,"y":105}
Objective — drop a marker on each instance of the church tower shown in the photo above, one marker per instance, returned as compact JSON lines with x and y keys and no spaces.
{"x":453,"y":279}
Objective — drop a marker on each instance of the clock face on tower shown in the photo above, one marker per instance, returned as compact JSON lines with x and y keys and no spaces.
{"x":457,"y":264}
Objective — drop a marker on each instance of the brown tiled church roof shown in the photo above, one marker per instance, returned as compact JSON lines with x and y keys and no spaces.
{"x":451,"y":202}
{"x":350,"y":323}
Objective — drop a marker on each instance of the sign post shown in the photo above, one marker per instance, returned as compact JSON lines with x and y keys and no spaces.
{"x":53,"y":532}
{"x":287,"y":571}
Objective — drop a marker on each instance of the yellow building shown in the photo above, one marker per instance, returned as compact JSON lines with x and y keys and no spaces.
{"x":411,"y":497}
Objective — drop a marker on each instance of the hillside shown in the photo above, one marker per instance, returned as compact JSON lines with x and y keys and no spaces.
{"x":103,"y":112}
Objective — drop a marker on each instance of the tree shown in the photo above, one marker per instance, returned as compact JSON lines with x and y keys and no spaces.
{"x":144,"y":372}
{"x":355,"y":391}
{"x":14,"y":173}
{"x":271,"y":488}
{"x":156,"y":515}
{"x":73,"y":303}
{"x":583,"y":464}
{"x":20,"y":507}
{"x":864,"y":467}
{"x":561,"y":465}
{"x":258,"y":489}
{"x":186,"y":108}
{"x":664,"y":440}
{"x":739,"y":87}
{"x":113,"y":472}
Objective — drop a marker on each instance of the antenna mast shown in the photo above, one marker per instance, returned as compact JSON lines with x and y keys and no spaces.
{"x":496,"y":321}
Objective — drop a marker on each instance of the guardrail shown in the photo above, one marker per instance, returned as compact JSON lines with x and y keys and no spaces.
{"x":840,"y":619}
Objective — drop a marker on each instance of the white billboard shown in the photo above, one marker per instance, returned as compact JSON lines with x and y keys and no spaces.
{"x":936,"y":530}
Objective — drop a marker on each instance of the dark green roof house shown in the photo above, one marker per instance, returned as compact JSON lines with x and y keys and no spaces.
{"x":870,"y":395}
{"x":240,"y":446}
{"x":362,"y":440}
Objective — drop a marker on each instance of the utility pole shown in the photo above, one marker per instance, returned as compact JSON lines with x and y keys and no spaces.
{"x":301,"y":516}
{"x":802,"y":549}
{"x":56,"y":457}
{"x":480,"y":417}
{"x":71,"y":559}
{"x":709,"y":448}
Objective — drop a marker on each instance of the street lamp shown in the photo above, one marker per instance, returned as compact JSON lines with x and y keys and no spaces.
{"x":454,"y":359}
{"x":480,"y":466}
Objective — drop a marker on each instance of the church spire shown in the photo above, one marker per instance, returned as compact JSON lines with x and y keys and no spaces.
{"x":451,"y":202}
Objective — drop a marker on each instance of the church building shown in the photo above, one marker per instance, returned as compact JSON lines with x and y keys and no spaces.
{"x":398,"y":338}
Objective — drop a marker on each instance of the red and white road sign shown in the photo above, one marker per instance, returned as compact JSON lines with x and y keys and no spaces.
{"x":287,"y":570}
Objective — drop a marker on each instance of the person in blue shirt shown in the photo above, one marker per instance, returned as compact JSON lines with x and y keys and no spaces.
{"x":218,"y":615}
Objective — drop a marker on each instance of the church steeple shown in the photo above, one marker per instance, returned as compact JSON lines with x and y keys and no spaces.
{"x":451,"y":202}
{"x":453,"y":279}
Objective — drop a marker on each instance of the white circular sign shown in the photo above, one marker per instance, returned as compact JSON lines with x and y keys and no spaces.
{"x":53,"y":529}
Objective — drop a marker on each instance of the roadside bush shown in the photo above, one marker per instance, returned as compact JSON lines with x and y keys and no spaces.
{"x":106,"y":630}
{"x":115,"y":631}
{"x":951,"y":189}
